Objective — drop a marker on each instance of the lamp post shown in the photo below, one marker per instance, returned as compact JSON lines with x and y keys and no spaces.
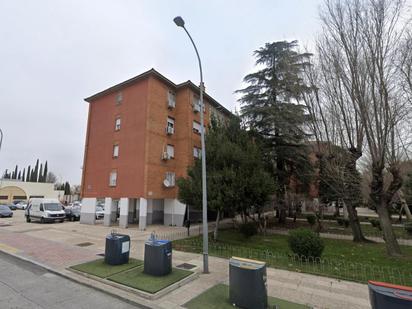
{"x":1,"y":138}
{"x":181,"y":23}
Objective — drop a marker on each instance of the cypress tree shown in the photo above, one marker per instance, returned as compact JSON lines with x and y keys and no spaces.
{"x":40,"y":179}
{"x":36,"y":171}
{"x":24,"y":175}
{"x":45,"y":172}
{"x":19,"y":176}
{"x":28,"y":175}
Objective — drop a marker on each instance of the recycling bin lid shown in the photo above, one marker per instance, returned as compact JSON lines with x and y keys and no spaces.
{"x":246,"y":263}
{"x":115,"y":236}
{"x":157,"y":242}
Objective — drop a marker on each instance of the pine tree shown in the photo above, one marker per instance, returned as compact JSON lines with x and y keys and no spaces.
{"x":270,"y":106}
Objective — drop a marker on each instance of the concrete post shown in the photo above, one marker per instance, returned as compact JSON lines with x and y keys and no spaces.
{"x":142,"y":214}
{"x":107,"y":221}
{"x":124,"y":212}
{"x":88,"y":211}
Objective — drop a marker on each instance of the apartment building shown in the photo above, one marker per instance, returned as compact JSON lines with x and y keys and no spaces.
{"x":142,"y":134}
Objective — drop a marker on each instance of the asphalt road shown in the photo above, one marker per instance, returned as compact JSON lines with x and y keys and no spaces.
{"x":25,"y":285}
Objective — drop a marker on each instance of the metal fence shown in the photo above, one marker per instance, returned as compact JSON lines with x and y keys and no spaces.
{"x":340,"y":269}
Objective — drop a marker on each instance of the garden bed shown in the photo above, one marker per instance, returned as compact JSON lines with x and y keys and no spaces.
{"x":217,"y":297}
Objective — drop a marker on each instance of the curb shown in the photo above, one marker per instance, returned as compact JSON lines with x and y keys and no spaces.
{"x":141,"y":303}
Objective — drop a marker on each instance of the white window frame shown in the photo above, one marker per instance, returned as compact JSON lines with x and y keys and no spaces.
{"x":170,"y":124}
{"x":197,"y":152}
{"x":170,"y":150}
{"x":113,"y":179}
{"x":115,"y":150}
{"x":171,"y":99}
{"x":197,"y":127}
{"x":171,"y":177}
{"x":117,"y":124}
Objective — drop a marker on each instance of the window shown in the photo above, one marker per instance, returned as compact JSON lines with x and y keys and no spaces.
{"x":197,"y":152}
{"x":115,"y":151}
{"x":117,"y":124}
{"x":171,"y":99}
{"x":119,"y":98}
{"x":4,"y":197}
{"x":170,"y":149}
{"x":196,"y":127}
{"x":170,"y":129}
{"x":197,"y":106}
{"x":113,"y":179}
{"x":169,"y":179}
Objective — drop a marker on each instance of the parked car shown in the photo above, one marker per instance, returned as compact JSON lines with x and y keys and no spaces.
{"x":45,"y":210}
{"x":99,"y":212}
{"x":21,"y":205}
{"x":5,"y":211}
{"x":72,"y":213}
{"x":12,"y":206}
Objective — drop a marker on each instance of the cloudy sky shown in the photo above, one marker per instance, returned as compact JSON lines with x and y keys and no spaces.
{"x":55,"y":53}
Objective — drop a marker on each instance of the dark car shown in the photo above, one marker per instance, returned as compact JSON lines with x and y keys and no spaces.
{"x":12,"y":206}
{"x":72,"y":213}
{"x":5,"y":211}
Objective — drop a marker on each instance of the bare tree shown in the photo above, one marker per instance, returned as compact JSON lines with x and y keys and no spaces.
{"x":359,"y":50}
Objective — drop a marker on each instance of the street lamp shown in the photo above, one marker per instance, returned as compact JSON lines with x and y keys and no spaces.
{"x":181,"y":23}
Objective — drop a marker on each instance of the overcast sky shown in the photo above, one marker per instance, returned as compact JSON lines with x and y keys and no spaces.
{"x":55,"y":53}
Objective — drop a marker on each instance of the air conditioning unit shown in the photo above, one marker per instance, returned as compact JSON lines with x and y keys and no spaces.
{"x":169,"y":180}
{"x":170,"y":130}
{"x":165,"y":156}
{"x":171,"y":103}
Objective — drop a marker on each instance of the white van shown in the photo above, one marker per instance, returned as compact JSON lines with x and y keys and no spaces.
{"x":45,"y":210}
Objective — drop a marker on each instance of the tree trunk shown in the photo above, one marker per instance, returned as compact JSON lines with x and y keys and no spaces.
{"x":381,"y":203}
{"x":354,"y":223}
{"x":215,"y":232}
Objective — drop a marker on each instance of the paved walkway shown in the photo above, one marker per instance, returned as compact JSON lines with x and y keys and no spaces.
{"x":56,"y":247}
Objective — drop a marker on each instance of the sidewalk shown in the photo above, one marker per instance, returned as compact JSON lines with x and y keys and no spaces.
{"x":32,"y":242}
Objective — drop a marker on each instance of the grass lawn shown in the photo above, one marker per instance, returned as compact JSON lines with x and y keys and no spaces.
{"x":341,"y":259}
{"x":100,"y":269}
{"x":136,"y":279}
{"x":217,"y":297}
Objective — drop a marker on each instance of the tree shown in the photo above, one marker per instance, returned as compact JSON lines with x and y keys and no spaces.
{"x":44,"y":178}
{"x":271,"y":107}
{"x":51,"y":177}
{"x":23,"y":175}
{"x":362,"y":39}
{"x":35,"y":174}
{"x":236,"y":179}
{"x":28,"y":176}
{"x":67,"y":190}
{"x":40,"y":179}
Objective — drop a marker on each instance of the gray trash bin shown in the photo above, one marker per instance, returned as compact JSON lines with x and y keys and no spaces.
{"x":117,"y":249}
{"x":157,"y":257}
{"x":383,"y":295}
{"x":247,"y":283}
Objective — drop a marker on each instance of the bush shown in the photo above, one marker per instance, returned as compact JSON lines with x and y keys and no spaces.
{"x":311,"y":219}
{"x":408,"y":227}
{"x":375,"y":223}
{"x":343,"y":222}
{"x":305,"y":243}
{"x":248,"y":229}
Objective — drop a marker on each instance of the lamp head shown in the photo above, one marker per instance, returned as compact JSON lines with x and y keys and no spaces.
{"x":179,"y":21}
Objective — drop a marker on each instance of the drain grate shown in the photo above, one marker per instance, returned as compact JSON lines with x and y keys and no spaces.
{"x":186,"y":266}
{"x":85,"y":244}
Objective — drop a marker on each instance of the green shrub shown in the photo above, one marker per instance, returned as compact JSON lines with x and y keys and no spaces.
{"x":408,"y":227}
{"x":375,"y":223}
{"x":311,"y":219}
{"x":248,"y":229}
{"x":343,"y":222}
{"x":305,"y":243}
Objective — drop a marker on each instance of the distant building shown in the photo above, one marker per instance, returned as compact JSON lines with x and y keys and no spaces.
{"x":142,"y":134}
{"x":11,"y":190}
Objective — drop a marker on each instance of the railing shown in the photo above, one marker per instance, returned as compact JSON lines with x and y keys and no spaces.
{"x":340,"y":269}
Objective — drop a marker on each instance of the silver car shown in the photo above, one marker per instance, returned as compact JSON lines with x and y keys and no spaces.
{"x":5,"y":211}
